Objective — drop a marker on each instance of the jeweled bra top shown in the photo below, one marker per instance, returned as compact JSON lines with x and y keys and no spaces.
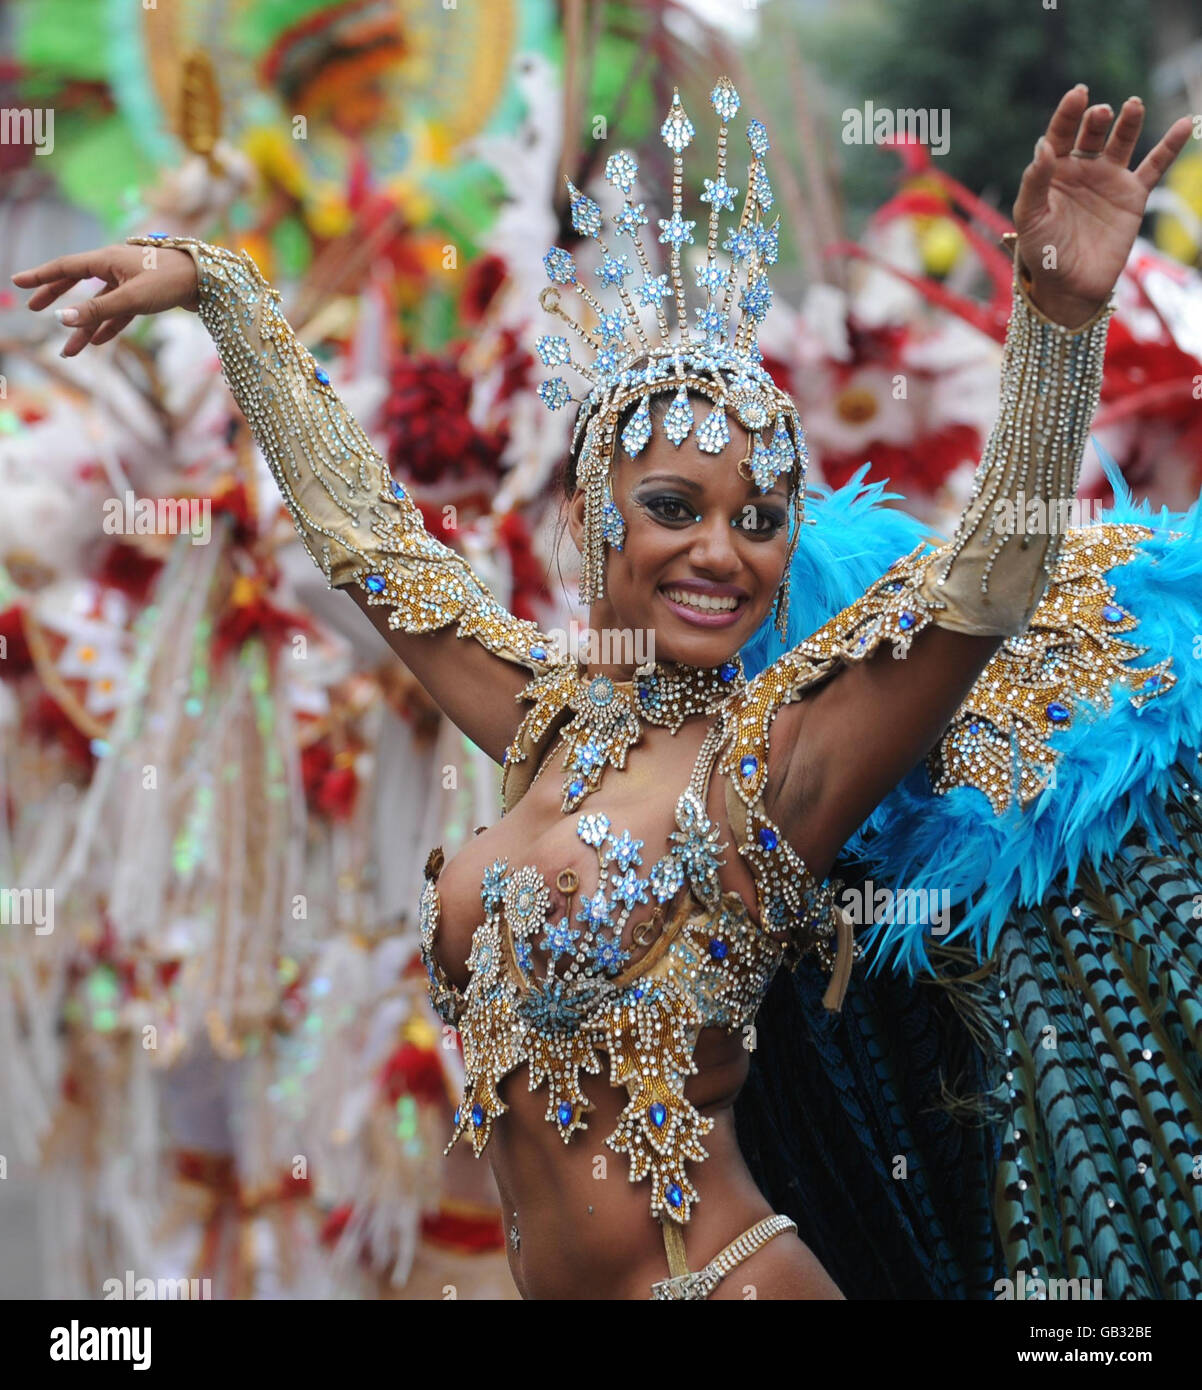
{"x":555,"y":990}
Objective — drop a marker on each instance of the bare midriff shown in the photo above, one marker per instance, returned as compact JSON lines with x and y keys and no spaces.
{"x":583,"y":1229}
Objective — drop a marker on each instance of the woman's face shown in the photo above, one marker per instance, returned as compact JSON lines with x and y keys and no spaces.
{"x":704,"y":551}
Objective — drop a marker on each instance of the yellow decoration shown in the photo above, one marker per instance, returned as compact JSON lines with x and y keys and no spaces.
{"x":1173,"y":236}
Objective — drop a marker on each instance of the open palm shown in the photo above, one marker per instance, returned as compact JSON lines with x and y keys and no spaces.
{"x":1079,"y":208}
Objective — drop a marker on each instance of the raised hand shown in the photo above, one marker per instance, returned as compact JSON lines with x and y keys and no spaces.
{"x":1079,"y":208}
{"x":138,"y":280}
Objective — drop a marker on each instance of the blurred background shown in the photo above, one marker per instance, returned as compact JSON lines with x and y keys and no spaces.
{"x":216,"y":1056}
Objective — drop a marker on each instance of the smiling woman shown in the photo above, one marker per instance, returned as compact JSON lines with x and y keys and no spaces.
{"x":550,"y":940}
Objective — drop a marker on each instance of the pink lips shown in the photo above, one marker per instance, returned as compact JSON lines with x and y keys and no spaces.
{"x":699,"y":618}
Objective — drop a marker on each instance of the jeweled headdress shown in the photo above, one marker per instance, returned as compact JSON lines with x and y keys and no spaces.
{"x":704,"y":358}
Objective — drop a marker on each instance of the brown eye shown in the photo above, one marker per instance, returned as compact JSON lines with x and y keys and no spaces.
{"x":669,"y":508}
{"x":763,"y":522}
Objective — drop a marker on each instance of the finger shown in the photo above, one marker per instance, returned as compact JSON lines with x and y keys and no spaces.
{"x":1125,"y":132}
{"x":1091,"y":138}
{"x":47,"y":294}
{"x":80,"y":266}
{"x":77,"y":341}
{"x":1037,"y":179}
{"x":110,"y":328}
{"x":1066,"y":119}
{"x":1158,"y":159}
{"x":92,"y":312}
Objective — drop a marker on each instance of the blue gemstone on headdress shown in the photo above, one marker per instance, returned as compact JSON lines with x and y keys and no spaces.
{"x":1111,"y":613}
{"x":748,"y":764}
{"x":757,"y":138}
{"x":397,"y":490}
{"x":555,"y":393}
{"x":621,"y":170}
{"x":538,"y":653}
{"x":710,"y":277}
{"x":738,"y":243}
{"x":653,"y":291}
{"x":638,"y":429}
{"x":658,"y":1112}
{"x":560,"y":266}
{"x":678,"y":419}
{"x":767,"y":242}
{"x":1151,"y":683}
{"x":322,"y":375}
{"x":719,"y":194}
{"x":767,"y":837}
{"x":1057,"y":712}
{"x":756,"y":298}
{"x":564,"y":1112}
{"x":675,"y":230}
{"x":477,"y":1115}
{"x":630,"y":219}
{"x":906,"y":621}
{"x":761,"y":189}
{"x":607,"y":361}
{"x":552,"y":351}
{"x":611,"y":327}
{"x":677,"y":129}
{"x":586,"y":215}
{"x":718,"y":948}
{"x":725,"y":100}
{"x":713,"y":434}
{"x":674,"y":1195}
{"x":763,"y":466}
{"x":458,"y":1112}
{"x":613,"y":527}
{"x":375,"y":582}
{"x":575,"y":787}
{"x":710,"y":320}
{"x":613,"y":270}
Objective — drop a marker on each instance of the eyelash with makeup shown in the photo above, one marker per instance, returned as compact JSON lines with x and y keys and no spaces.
{"x":653,"y":506}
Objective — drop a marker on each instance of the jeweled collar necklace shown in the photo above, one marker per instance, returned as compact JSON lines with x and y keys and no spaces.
{"x":608,"y":714}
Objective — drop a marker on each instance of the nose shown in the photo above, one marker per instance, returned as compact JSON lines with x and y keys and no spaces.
{"x":712,"y":548}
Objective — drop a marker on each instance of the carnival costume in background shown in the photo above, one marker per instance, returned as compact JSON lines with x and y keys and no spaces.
{"x":554,"y":996}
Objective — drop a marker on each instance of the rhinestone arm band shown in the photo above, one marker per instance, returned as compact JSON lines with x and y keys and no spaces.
{"x":989,"y":578}
{"x":358,"y":524}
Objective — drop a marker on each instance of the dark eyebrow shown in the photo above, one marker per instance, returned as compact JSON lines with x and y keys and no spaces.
{"x":671,"y":478}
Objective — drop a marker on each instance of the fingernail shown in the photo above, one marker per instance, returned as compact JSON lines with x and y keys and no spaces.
{"x":67,"y":315}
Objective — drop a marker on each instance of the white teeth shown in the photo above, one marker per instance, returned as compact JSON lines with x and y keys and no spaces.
{"x":704,"y":602}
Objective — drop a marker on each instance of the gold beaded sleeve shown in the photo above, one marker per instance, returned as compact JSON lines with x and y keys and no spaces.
{"x":988,"y":580}
{"x":358,"y":524}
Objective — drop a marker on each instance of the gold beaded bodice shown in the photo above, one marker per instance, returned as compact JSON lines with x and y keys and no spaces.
{"x":556,"y":991}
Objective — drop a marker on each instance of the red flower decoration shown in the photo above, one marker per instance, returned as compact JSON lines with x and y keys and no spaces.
{"x":413,"y":1071}
{"x":17,"y":659}
{"x":920,"y":467}
{"x":430,"y":436}
{"x":484,"y":278}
